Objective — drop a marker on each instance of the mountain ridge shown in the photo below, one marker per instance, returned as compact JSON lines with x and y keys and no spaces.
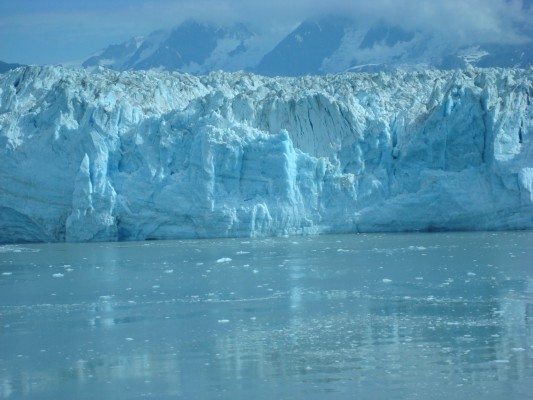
{"x":329,"y":44}
{"x":5,"y":67}
{"x":188,"y":47}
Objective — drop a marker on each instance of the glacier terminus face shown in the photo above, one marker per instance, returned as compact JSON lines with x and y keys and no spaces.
{"x":105,"y":156}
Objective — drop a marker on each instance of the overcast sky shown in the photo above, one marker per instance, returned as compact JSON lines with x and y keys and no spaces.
{"x":61,"y":31}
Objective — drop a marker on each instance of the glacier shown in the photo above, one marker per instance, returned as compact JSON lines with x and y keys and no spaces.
{"x":105,"y":156}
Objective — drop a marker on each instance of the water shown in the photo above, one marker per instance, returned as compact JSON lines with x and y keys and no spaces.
{"x":403,"y":316}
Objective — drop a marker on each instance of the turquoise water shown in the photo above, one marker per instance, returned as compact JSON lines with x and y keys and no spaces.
{"x":399,"y":316}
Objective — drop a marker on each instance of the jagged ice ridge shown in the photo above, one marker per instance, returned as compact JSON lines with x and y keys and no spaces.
{"x":102,"y":155}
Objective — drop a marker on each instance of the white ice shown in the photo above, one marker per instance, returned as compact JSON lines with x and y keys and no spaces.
{"x":92,"y":156}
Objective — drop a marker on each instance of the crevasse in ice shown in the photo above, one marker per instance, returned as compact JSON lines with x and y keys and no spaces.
{"x":102,"y":155}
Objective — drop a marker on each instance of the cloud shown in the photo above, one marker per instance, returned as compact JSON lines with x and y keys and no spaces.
{"x":459,"y":20}
{"x":463,"y":20}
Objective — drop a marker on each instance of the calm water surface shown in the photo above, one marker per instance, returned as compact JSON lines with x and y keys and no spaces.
{"x":399,"y":316}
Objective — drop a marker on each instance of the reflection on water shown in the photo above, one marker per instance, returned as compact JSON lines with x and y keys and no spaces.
{"x":355,"y":316}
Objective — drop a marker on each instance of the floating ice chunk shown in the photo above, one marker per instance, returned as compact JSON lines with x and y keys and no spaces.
{"x":58,"y":275}
{"x":518,"y":349}
{"x":223,"y":321}
{"x":471,"y":273}
{"x":16,"y":249}
{"x":416,"y":248}
{"x":385,"y":280}
{"x":129,"y":339}
{"x":169,"y":271}
{"x":7,"y":273}
{"x":224,"y":260}
{"x":243,"y":252}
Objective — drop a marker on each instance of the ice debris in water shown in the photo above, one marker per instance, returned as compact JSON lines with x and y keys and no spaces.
{"x":416,"y":248}
{"x":224,"y":260}
{"x":58,"y":275}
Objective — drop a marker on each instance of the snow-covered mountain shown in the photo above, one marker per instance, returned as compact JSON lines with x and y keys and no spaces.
{"x":333,"y":45}
{"x":154,"y":155}
{"x":322,"y":45}
{"x":191,"y":47}
{"x":304,"y":50}
{"x":4,"y":67}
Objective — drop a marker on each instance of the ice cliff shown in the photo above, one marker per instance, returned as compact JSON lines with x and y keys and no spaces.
{"x":103,"y":155}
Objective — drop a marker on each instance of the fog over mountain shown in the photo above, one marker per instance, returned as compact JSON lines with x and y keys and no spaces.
{"x":69,"y":32}
{"x":319,"y":45}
